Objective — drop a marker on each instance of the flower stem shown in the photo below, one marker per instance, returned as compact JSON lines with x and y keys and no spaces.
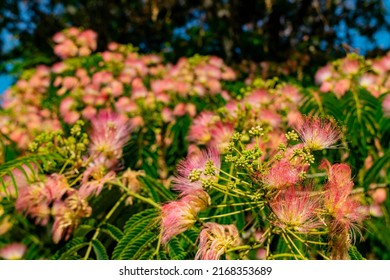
{"x":283,"y":255}
{"x":293,"y":244}
{"x":233,"y":204}
{"x":136,"y":195}
{"x":106,"y":218}
{"x":233,"y":177}
{"x":227,"y":214}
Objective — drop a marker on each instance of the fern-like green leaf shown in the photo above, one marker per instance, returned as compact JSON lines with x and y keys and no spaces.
{"x":144,"y":215}
{"x":175,"y":250}
{"x":99,"y":250}
{"x":114,"y":232}
{"x":28,"y":167}
{"x":138,"y":244}
{"x":70,"y":249}
{"x":354,"y":254}
{"x":380,"y":164}
{"x":141,"y":244}
{"x":156,"y":187}
{"x":148,"y":254}
{"x":139,"y":229}
{"x":83,"y":230}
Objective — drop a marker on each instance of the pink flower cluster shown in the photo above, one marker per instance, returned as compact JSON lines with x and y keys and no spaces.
{"x":215,"y":239}
{"x":13,"y":251}
{"x":110,"y":133}
{"x":195,"y":76}
{"x":266,"y":107}
{"x":126,"y":82}
{"x":178,"y":216}
{"x":297,"y":209}
{"x":23,"y":115}
{"x":346,"y":212}
{"x":339,"y":76}
{"x":53,"y":197}
{"x":74,"y":41}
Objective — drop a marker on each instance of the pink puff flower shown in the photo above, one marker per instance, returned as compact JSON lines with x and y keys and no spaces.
{"x":350,"y":66}
{"x":341,"y":87}
{"x":215,"y":239}
{"x":282,"y":174}
{"x":180,"y":110}
{"x":67,"y":110}
{"x":196,"y":168}
{"x":167,"y":115}
{"x":178,"y":216}
{"x":318,"y":133}
{"x":200,"y":130}
{"x":337,"y":200}
{"x":59,"y":37}
{"x":221,"y":134}
{"x":323,"y":74}
{"x":68,"y":215}
{"x":296,"y":210}
{"x":89,"y":112}
{"x":95,"y":177}
{"x":386,"y":106}
{"x":13,"y":251}
{"x":110,"y":132}
{"x":66,"y":49}
{"x":55,"y":187}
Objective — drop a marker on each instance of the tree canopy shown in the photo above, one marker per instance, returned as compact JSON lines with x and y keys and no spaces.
{"x":234,"y":30}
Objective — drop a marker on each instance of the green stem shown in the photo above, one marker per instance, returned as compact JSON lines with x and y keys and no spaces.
{"x":222,"y":190}
{"x":317,"y":232}
{"x":158,"y":244}
{"x":227,"y":214}
{"x":358,"y":105}
{"x":237,"y":191}
{"x":136,"y":195}
{"x":231,"y":176}
{"x":233,"y":204}
{"x":305,"y":241}
{"x":283,"y":255}
{"x":249,"y":247}
{"x":289,"y":246}
{"x":295,"y":246}
{"x":323,"y":255}
{"x":64,"y":166}
{"x":76,"y":180}
{"x":106,"y":218}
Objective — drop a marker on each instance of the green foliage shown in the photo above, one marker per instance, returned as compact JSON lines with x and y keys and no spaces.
{"x":357,"y":111}
{"x":70,"y":250}
{"x":114,"y":232}
{"x":373,"y":174}
{"x":140,"y":231}
{"x":175,"y":250}
{"x":157,"y":190}
{"x":354,"y":254}
{"x":28,"y":164}
{"x":99,"y":250}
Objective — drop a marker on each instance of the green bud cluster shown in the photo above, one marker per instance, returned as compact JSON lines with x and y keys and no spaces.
{"x":292,"y":136}
{"x":208,"y":184}
{"x":71,"y":149}
{"x":209,"y":169}
{"x":195,"y":175}
{"x":256,"y":131}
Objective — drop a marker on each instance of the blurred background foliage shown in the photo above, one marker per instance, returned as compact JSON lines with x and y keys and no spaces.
{"x":294,"y":34}
{"x":233,"y":30}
